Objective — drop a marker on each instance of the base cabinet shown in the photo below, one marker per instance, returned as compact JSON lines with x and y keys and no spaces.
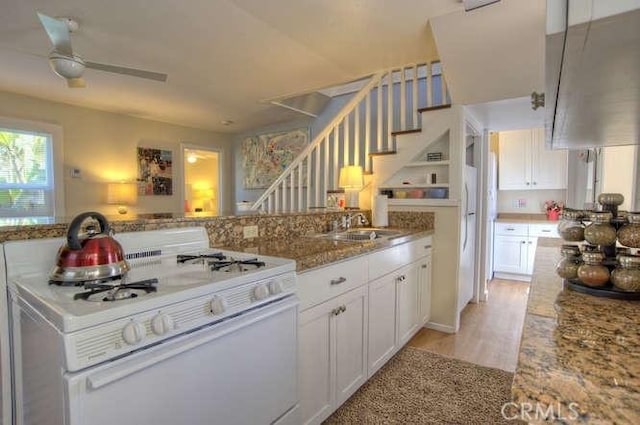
{"x":332,"y":338}
{"x":348,"y":335}
{"x":407,"y":302}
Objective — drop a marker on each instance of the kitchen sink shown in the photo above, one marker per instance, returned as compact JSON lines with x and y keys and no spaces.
{"x":361,"y":234}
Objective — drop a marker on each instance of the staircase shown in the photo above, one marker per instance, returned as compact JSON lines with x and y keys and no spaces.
{"x":388,"y":105}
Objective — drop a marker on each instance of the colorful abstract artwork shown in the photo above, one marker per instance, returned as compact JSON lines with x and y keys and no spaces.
{"x":155,"y":174}
{"x":266,"y":156}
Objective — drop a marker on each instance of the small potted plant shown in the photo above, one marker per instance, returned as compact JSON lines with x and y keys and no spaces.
{"x":554,"y":209}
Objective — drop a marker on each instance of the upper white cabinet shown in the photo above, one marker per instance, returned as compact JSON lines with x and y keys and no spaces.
{"x":525,"y":164}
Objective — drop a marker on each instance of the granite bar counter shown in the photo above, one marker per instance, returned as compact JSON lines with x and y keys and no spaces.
{"x":579,"y":354}
{"x":312,"y":251}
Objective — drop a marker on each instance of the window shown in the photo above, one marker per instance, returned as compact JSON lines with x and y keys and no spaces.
{"x":27,"y":172}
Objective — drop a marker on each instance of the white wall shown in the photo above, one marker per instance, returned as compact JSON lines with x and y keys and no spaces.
{"x":619,"y":166}
{"x":103,"y":146}
{"x":534,"y":199}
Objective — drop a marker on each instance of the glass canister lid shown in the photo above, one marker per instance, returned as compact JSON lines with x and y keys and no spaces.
{"x":629,"y":261}
{"x":610,"y":199}
{"x":570,"y":250}
{"x":571,"y":214}
{"x":591,"y":257}
{"x":601,"y":217}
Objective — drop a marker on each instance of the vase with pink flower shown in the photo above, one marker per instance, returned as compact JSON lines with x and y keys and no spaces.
{"x":553,"y":209}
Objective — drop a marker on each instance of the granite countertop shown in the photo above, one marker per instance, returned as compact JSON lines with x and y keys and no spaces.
{"x":313,"y":251}
{"x":579,"y":354}
{"x":523,"y":218}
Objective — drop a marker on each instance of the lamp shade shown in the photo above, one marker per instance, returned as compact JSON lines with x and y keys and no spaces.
{"x":351,"y":177}
{"x":121,"y":193}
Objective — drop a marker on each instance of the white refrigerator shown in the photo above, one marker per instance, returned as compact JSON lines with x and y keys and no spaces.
{"x":468,"y":237}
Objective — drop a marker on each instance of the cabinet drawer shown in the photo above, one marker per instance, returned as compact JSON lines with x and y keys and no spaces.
{"x":420,"y":248}
{"x":319,"y":285}
{"x":390,"y":259}
{"x":544,"y":230}
{"x":516,"y":229}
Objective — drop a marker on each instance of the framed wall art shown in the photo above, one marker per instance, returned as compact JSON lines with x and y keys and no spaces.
{"x":266,"y":156}
{"x":155,"y":171}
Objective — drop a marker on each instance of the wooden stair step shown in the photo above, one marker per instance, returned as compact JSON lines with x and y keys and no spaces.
{"x":434,"y":108}
{"x":412,"y":130}
{"x":380,"y":153}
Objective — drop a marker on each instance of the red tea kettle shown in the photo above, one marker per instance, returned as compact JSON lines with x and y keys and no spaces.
{"x":93,"y":256}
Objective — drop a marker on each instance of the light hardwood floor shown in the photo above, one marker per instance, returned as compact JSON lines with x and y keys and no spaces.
{"x":489,"y":332}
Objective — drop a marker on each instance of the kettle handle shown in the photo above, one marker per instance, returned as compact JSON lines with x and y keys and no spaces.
{"x":73,"y":242}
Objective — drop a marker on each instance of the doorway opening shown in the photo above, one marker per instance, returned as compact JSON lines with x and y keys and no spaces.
{"x":201,"y":180}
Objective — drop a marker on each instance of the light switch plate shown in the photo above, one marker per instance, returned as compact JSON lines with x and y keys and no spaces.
{"x":250,"y":232}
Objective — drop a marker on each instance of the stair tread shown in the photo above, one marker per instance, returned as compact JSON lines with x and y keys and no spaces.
{"x":412,"y":130}
{"x":383,"y":153}
{"x":434,"y":108}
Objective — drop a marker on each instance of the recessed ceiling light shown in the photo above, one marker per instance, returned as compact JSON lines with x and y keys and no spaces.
{"x":226,"y":122}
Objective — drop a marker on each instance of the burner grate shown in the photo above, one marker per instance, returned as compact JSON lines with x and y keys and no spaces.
{"x":233,"y":265}
{"x":118,"y":292}
{"x":199,"y":258}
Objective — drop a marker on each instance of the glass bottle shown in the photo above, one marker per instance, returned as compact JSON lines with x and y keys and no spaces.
{"x":567,"y":268}
{"x":570,"y":227}
{"x":629,"y":234}
{"x":626,"y":276}
{"x":600,"y":231}
{"x":592,"y":272}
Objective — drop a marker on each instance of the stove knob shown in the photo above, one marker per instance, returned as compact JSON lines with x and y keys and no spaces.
{"x":275,"y":287}
{"x":133,"y":333}
{"x":218,"y":305}
{"x":260,"y":292}
{"x":161,"y":324}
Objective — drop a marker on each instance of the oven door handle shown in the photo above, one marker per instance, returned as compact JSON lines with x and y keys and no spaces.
{"x":185,"y":343}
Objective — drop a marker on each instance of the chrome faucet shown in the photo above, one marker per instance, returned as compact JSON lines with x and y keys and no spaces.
{"x":347,"y":220}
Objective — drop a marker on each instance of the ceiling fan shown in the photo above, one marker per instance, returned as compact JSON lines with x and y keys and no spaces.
{"x":70,"y":66}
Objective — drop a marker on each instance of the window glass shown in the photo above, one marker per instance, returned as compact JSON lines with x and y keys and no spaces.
{"x":26,"y":174}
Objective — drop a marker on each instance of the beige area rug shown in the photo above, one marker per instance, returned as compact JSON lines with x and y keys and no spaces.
{"x":420,"y":387}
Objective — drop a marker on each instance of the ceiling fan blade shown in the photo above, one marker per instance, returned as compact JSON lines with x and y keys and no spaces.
{"x":76,"y":83}
{"x":127,"y":71}
{"x":58,"y":33}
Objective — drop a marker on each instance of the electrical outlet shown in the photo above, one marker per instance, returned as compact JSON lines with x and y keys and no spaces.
{"x":250,"y":232}
{"x":520,"y":203}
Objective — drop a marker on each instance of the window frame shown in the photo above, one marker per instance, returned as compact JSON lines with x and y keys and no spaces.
{"x":55,"y":156}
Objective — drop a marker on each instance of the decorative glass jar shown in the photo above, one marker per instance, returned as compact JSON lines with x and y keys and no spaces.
{"x":611,"y":201}
{"x":567,"y":268}
{"x":592,"y":272}
{"x":626,"y":276}
{"x":600,"y":231}
{"x":629,"y":234}
{"x":570,"y":227}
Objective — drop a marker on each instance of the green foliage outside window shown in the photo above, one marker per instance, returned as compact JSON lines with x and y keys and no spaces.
{"x":23,"y":171}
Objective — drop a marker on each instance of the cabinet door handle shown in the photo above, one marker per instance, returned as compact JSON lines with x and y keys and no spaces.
{"x":427,"y":247}
{"x":335,"y":311}
{"x":529,"y":242}
{"x":424,"y":266}
{"x":523,"y":242}
{"x":401,"y":278}
{"x":528,"y":183}
{"x":534,"y":183}
{"x":343,"y":308}
{"x":338,"y":281}
{"x":545,"y":231}
{"x":511,"y":229}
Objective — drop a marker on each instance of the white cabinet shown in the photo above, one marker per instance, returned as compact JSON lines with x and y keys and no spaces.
{"x":424,"y":279}
{"x":525,"y":164}
{"x":511,"y":254}
{"x":407,"y":302}
{"x":355,"y":315}
{"x":333,"y":351}
{"x":382,"y":322}
{"x":514,"y":247}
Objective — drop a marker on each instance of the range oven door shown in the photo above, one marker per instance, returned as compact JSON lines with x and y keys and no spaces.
{"x":241,"y":371}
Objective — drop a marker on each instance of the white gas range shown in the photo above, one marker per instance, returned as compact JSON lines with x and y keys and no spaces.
{"x":189,"y":335}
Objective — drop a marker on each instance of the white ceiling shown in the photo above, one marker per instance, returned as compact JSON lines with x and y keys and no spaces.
{"x":508,"y":114}
{"x":225,"y":57}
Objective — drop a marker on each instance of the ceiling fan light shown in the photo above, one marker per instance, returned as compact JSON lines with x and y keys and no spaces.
{"x":66,"y":67}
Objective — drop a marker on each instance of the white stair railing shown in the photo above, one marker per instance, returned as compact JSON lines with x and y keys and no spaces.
{"x":389,"y":101}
